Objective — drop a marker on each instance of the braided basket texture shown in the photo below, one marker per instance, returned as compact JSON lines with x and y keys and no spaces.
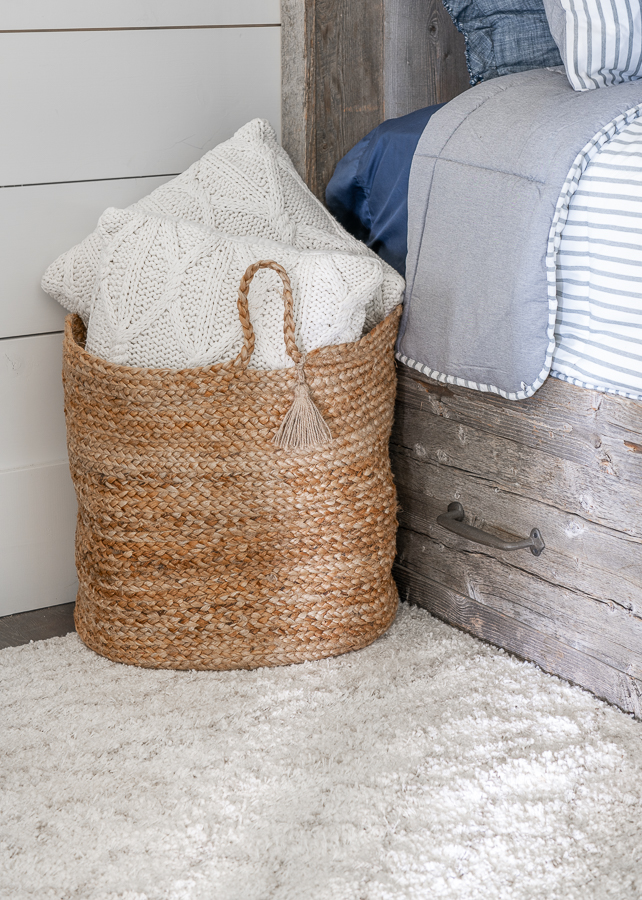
{"x":201,"y":543}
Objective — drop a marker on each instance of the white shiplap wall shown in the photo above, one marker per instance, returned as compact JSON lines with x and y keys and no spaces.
{"x":102,"y":101}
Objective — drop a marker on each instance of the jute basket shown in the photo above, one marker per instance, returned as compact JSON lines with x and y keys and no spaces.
{"x":204,"y":544}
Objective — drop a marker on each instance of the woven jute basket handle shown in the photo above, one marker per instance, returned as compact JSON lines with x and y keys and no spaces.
{"x":303,"y":425}
{"x":293,"y":351}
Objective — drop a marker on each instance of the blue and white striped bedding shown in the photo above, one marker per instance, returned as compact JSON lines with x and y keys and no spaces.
{"x":600,"y":43}
{"x":598,"y":329}
{"x":597,"y":280}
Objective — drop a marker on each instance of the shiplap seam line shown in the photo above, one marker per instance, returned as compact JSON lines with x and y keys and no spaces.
{"x":136,"y":28}
{"x":61,"y":462}
{"x":15,"y":337}
{"x":90,"y":180}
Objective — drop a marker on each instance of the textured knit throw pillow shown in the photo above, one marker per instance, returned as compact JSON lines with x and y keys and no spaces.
{"x":244,"y":186}
{"x":166,"y":294}
{"x":503,"y":36}
{"x":600,"y":40}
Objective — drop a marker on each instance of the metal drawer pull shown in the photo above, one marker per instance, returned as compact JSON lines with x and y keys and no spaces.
{"x":453,"y":520}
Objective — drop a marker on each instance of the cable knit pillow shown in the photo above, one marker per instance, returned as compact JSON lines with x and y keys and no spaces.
{"x":166,"y":294}
{"x":600,"y":43}
{"x":244,"y":186}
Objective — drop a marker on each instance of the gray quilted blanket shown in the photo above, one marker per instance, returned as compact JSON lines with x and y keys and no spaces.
{"x":490,"y":184}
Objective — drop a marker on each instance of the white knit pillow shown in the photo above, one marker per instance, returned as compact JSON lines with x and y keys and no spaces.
{"x":244,"y":186}
{"x":166,"y":294}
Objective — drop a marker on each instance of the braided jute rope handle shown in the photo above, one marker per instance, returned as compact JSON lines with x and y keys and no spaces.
{"x":303,"y":425}
{"x":244,"y":312}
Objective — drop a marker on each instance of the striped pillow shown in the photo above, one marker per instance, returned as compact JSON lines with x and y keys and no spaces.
{"x":600,"y":41}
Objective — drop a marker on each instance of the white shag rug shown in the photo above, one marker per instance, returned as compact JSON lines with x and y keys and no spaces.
{"x":428,"y":765}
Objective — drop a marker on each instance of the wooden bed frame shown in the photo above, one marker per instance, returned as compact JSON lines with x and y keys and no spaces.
{"x":349,"y":64}
{"x":568,"y":460}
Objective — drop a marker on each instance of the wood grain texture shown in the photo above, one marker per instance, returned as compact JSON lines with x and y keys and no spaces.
{"x":600,"y":631}
{"x":344,"y":39}
{"x":424,"y":56}
{"x":595,"y":495}
{"x":332,"y":88}
{"x":559,"y":462}
{"x":552,"y":656}
{"x":294,"y":98}
{"x":348,"y":64}
{"x":588,"y":429}
{"x":600,"y":563}
{"x":36,"y":625}
{"x":573,"y":423}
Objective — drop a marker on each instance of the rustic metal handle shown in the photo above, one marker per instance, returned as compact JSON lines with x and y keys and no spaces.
{"x":453,"y":520}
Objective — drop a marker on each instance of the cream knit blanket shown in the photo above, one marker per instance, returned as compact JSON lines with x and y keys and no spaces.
{"x":166,"y":294}
{"x":246,"y":186}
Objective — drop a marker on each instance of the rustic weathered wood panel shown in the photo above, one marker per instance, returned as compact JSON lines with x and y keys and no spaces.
{"x":595,"y":494}
{"x":294,"y":82}
{"x":344,"y":40}
{"x":424,"y":56}
{"x":472,"y":616}
{"x":559,"y":462}
{"x":348,"y":64}
{"x":598,"y":430}
{"x":568,"y":460}
{"x":603,"y":632}
{"x":580,"y":556}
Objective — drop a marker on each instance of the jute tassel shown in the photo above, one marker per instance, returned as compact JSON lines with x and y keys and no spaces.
{"x":303,"y":425}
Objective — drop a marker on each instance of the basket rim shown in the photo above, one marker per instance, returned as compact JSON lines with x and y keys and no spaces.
{"x":314,"y":359}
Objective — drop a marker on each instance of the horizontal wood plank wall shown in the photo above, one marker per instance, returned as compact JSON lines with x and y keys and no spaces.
{"x":563,"y":461}
{"x":148,"y":102}
{"x":31,"y":402}
{"x":102,"y":102}
{"x":37,"y":527}
{"x":30,"y":15}
{"x":39,"y":223}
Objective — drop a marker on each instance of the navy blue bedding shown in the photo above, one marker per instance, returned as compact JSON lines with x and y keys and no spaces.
{"x":368,"y":192}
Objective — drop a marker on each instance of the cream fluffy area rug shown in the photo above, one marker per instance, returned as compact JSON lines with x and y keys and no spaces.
{"x":428,"y":765}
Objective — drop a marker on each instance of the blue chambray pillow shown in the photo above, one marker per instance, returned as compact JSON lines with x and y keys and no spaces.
{"x":504,"y":36}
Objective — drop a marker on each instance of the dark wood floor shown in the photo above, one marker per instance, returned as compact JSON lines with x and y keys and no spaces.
{"x":36,"y":625}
